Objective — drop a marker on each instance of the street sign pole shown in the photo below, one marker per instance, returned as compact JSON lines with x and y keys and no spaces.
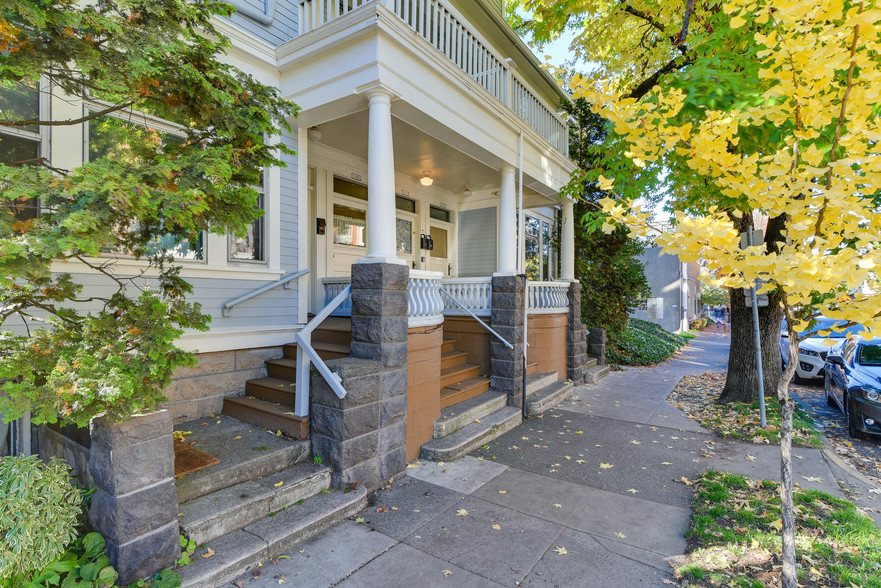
{"x":755,"y":306}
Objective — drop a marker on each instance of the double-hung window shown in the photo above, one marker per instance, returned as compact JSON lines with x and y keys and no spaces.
{"x":21,"y":146}
{"x":107,"y":134}
{"x":251,"y":246}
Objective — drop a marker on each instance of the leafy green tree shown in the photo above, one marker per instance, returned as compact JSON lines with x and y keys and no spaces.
{"x":613,"y":281}
{"x":70,"y":354}
{"x":637,"y":45}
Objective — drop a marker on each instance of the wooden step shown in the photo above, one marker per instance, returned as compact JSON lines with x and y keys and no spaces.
{"x":458,"y":373}
{"x":325,"y":350}
{"x":531,"y":368}
{"x":448,"y":345}
{"x":453,"y":358}
{"x":283,"y":368}
{"x":460,"y":391}
{"x":270,"y":415}
{"x":272,"y":390}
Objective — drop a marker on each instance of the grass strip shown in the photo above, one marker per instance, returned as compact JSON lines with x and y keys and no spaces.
{"x":734,"y":537}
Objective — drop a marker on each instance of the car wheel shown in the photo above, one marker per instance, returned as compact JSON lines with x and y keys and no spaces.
{"x":852,"y":422}
{"x":829,"y":400}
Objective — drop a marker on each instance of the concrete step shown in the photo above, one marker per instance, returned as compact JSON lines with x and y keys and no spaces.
{"x":453,"y":358}
{"x":448,"y":345}
{"x":466,"y":412}
{"x":472,"y":436}
{"x":538,"y":380}
{"x":245,"y":453}
{"x":276,"y":417}
{"x":549,"y":396}
{"x":458,"y":373}
{"x":272,"y":390}
{"x":208,"y":517}
{"x":240,"y":551}
{"x":596,"y":373}
{"x":461,"y":391}
{"x":591,"y":361}
{"x":282,"y":368}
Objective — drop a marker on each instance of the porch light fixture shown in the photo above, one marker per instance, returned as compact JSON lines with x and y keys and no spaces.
{"x":426,"y":178}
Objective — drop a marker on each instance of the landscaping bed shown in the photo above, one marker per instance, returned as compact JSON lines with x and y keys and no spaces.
{"x":696,"y":397}
{"x":734,"y":537}
{"x":643,"y":343}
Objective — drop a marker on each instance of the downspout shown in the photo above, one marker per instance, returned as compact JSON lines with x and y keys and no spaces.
{"x":521,"y":254}
{"x":264,"y":16}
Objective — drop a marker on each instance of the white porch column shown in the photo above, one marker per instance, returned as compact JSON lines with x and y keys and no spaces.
{"x":380,"y":180}
{"x":567,"y":242}
{"x":507,"y":225}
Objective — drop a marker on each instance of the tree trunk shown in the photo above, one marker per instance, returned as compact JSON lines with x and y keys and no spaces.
{"x":787,"y":506}
{"x":741,"y":383}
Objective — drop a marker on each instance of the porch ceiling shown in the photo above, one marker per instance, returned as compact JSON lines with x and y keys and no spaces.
{"x":417,"y":151}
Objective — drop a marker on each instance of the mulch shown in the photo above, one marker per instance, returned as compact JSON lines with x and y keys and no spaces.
{"x":696,"y":396}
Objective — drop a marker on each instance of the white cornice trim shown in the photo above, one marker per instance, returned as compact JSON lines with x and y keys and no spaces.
{"x":245,"y":44}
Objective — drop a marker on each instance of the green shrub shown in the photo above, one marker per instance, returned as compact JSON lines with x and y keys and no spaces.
{"x":39,"y":508}
{"x":643,"y":343}
{"x":84,"y":565}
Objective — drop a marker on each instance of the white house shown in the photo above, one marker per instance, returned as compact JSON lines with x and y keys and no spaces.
{"x":428,"y":132}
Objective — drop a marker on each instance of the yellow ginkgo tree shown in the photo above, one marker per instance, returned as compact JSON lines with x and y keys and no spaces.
{"x":820,"y":66}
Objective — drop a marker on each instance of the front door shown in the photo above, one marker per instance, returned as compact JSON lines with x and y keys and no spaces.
{"x":440,"y":234}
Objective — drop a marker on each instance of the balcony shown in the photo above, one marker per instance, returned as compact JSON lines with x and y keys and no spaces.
{"x":441,"y":25}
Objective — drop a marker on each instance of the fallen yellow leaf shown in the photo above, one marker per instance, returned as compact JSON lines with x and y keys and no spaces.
{"x":561,"y":550}
{"x":277,"y":484}
{"x":461,"y":513}
{"x":208,"y":553}
{"x":606,"y":466}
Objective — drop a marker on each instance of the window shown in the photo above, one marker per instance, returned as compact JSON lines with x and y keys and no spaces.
{"x":107,"y":136}
{"x":540,"y":253}
{"x":439,"y":236}
{"x":439,"y":214}
{"x":349,"y":188}
{"x":250,"y":247}
{"x":349,"y":226}
{"x":19,"y":146}
{"x":404,"y":236}
{"x":870,"y":354}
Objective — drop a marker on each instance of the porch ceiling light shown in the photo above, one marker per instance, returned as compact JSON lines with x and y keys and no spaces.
{"x":426,"y":178}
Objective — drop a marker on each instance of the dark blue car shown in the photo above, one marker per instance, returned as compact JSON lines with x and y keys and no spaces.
{"x":853,"y":384}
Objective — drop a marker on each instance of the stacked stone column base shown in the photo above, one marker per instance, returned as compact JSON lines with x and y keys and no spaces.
{"x":506,"y":365}
{"x":135,"y":504}
{"x":576,"y":337}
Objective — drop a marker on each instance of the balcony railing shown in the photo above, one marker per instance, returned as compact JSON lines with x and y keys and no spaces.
{"x":332,"y":287}
{"x":444,"y":28}
{"x":547,"y":297}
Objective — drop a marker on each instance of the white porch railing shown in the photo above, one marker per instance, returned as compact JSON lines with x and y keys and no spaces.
{"x":442,"y":26}
{"x":332,"y":287}
{"x":547,"y":297}
{"x":306,"y":355}
{"x":425,"y":306}
{"x":474,"y":294}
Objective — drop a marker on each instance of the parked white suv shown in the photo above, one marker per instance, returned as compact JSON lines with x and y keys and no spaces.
{"x":811,"y":351}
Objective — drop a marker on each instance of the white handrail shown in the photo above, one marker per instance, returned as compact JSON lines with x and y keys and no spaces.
{"x":304,"y":344}
{"x":474,"y":316}
{"x":228,"y":306}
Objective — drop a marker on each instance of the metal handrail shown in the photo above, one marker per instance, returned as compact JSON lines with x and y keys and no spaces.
{"x":304,"y":343}
{"x":474,"y":316}
{"x":228,"y":306}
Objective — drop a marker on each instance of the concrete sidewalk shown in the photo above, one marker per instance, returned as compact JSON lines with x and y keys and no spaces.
{"x":587,"y":494}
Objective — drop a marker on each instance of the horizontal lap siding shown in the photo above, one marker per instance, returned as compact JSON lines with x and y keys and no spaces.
{"x":477,"y":242}
{"x":282,"y":28}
